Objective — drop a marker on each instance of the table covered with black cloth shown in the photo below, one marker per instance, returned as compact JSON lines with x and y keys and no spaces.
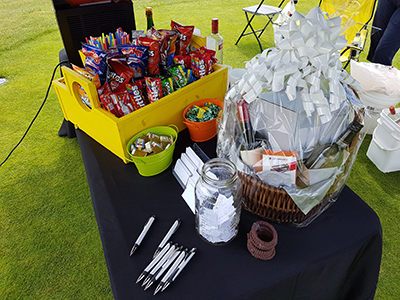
{"x":336,"y":257}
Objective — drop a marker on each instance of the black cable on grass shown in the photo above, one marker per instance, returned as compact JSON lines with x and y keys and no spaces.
{"x":40,"y":108}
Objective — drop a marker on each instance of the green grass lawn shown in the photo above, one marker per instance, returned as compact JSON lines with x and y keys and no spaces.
{"x":49,"y":242}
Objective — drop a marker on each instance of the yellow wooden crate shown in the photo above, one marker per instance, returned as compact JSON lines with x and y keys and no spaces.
{"x":114,"y":133}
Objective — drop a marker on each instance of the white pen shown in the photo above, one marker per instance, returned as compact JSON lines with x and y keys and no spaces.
{"x":181,"y":256}
{"x":154,"y":261}
{"x":175,"y":274}
{"x":160,"y":264}
{"x":164,"y":267}
{"x":170,"y":232}
{"x":143,"y":233}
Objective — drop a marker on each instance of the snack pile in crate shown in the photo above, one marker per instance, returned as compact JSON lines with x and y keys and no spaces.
{"x":292,"y":123}
{"x":133,"y":71}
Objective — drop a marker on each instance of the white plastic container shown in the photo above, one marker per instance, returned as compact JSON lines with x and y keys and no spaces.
{"x":375,"y":102}
{"x":386,"y":160}
{"x":387,"y":132}
{"x":384,"y":150}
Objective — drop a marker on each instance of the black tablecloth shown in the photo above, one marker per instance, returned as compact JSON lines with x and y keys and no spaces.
{"x":335,"y":257}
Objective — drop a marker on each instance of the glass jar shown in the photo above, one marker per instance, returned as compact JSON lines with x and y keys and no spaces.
{"x":217,"y":196}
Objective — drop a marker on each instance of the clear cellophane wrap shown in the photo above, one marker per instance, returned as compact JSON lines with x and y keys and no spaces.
{"x":298,"y":97}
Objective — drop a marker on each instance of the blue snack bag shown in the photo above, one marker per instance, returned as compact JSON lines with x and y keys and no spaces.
{"x":138,"y":57}
{"x":96,"y":61}
{"x":189,"y":76}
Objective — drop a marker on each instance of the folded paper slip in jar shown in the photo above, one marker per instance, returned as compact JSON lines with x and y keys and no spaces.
{"x":261,"y":240}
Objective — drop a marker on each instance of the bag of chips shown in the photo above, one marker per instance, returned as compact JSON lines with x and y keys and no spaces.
{"x":119,"y":74}
{"x":185,"y":35}
{"x":154,"y":54}
{"x":138,"y":57}
{"x":88,"y":74}
{"x":96,"y":61}
{"x":172,"y":36}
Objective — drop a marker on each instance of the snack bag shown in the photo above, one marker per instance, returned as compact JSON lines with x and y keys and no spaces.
{"x":154,"y":89}
{"x":135,"y":34}
{"x":118,"y":75}
{"x":108,"y":104}
{"x":164,"y":38}
{"x":211,"y":53}
{"x":201,"y":64}
{"x":167,"y":86}
{"x":142,"y":86}
{"x":184,"y":60}
{"x":122,"y":103}
{"x":172,"y":36}
{"x":189,"y":76}
{"x":135,"y":92}
{"x":185,"y":35}
{"x":154,"y":54}
{"x":179,"y":76}
{"x":95,"y":61}
{"x":138,"y":57}
{"x":84,"y":97}
{"x":89,"y":75}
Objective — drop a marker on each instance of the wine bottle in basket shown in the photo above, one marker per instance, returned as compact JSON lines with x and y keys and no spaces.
{"x":331,"y":154}
{"x":245,"y":123}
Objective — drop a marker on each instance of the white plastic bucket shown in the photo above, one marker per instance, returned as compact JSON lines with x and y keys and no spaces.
{"x":387,"y":133}
{"x":386,"y":160}
{"x":375,"y":102}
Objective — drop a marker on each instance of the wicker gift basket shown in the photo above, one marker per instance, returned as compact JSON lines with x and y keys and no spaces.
{"x":293,"y":100}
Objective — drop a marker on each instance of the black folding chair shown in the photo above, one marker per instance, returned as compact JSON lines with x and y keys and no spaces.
{"x":259,"y":10}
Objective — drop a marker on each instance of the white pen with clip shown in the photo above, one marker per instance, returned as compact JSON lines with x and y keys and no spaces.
{"x":170,"y":232}
{"x":160,"y":264}
{"x":164,"y":267}
{"x":177,"y":262}
{"x":154,"y":262}
{"x":179,"y":269}
{"x":143,"y":234}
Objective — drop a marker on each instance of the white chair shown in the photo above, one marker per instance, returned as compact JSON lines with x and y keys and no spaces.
{"x":259,"y":10}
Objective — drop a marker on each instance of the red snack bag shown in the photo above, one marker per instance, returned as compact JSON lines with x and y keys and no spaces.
{"x":142,"y":86}
{"x":201,"y":64}
{"x":164,"y":37}
{"x":172,"y":36}
{"x":122,"y":103}
{"x":204,"y":50}
{"x":154,"y":54}
{"x":135,"y":92}
{"x":108,"y":104}
{"x":119,"y":74}
{"x":184,"y":60}
{"x":154,"y":89}
{"x":185,"y":35}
